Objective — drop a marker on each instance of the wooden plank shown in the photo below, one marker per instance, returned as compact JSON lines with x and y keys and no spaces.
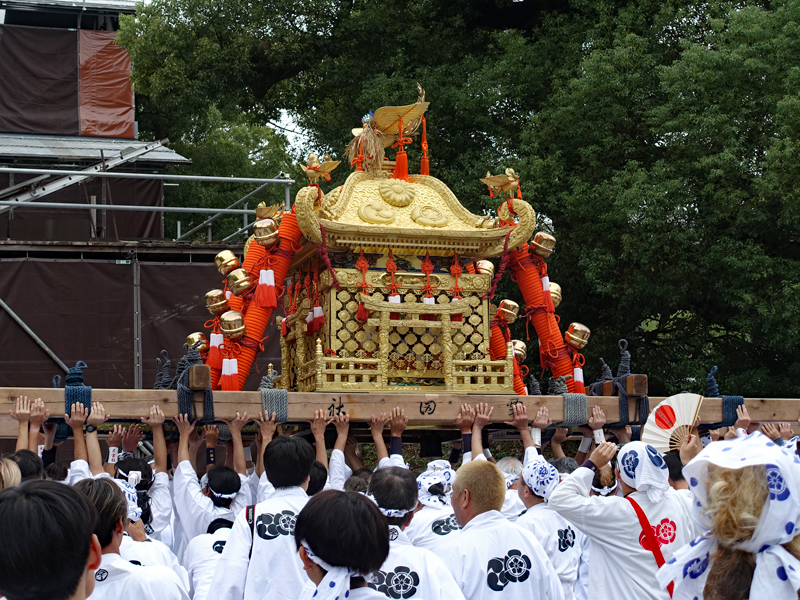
{"x":635,"y":385}
{"x":421,"y":408}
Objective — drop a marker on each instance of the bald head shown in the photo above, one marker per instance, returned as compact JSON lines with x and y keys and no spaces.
{"x":479,"y":487}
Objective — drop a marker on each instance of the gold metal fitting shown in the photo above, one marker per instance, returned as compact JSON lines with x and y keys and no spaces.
{"x":509,"y":310}
{"x":265,"y":232}
{"x":216,"y":303}
{"x":555,"y":294}
{"x":195,"y":337}
{"x":226,"y":262}
{"x":577,"y":335}
{"x":239,"y":282}
{"x":232,"y":324}
{"x":520,"y":350}
{"x":485,"y":267}
{"x":543,"y":244}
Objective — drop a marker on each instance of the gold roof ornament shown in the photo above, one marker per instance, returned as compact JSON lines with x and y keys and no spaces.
{"x":502,"y":185}
{"x":316,"y":170}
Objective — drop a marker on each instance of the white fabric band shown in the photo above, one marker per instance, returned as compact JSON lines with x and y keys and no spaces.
{"x":113,"y":455}
{"x":599,"y":437}
{"x":536,"y":434}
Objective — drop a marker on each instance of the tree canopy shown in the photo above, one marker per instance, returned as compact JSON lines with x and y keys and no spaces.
{"x":657,"y":140}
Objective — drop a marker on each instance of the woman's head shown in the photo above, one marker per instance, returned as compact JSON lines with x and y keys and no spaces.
{"x":10,"y":474}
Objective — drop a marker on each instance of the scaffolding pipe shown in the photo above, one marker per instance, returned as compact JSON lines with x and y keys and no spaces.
{"x":84,"y":175}
{"x":235,"y":233}
{"x":35,"y":337}
{"x":131,"y":207}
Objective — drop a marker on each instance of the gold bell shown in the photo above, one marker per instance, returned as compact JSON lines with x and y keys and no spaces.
{"x":485,"y":267}
{"x":232,"y":324}
{"x":520,"y":350}
{"x":265,"y":232}
{"x":555,"y":294}
{"x":509,"y":310}
{"x":577,"y":335}
{"x":226,"y":262}
{"x":543,"y":244}
{"x":195,"y":337}
{"x":216,"y":303}
{"x":239,"y":282}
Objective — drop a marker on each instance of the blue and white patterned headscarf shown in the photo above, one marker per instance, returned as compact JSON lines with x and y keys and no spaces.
{"x":541,"y":477}
{"x":777,"y":572}
{"x":438,"y":471}
{"x":134,"y":512}
{"x":644,"y":469}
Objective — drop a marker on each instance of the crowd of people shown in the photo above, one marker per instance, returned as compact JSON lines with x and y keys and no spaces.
{"x":284,"y":519}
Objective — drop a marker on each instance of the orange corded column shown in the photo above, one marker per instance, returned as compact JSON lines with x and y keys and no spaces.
{"x":501,"y":337}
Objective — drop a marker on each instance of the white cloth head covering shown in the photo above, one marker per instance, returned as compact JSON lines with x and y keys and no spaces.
{"x":336,"y":583}
{"x":390,"y":512}
{"x":541,"y":477}
{"x":644,"y":469}
{"x":510,"y":479}
{"x":777,"y":572}
{"x":134,"y":512}
{"x":438,"y":471}
{"x":204,"y":484}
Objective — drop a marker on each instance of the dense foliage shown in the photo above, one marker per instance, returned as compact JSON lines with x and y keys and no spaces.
{"x":658,"y":140}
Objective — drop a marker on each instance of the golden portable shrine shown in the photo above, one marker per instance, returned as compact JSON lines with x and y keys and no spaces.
{"x":385,"y":281}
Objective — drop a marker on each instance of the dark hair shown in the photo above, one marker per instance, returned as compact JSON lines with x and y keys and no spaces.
{"x":319,"y":476}
{"x":345,"y":529}
{"x":674,"y":464}
{"x":124,"y":468}
{"x":29,"y":463}
{"x":219,"y":524}
{"x":56,"y":472}
{"x":287,"y":461}
{"x":396,"y":488}
{"x":223,"y":480}
{"x":358,"y":481}
{"x":110,"y":503}
{"x":565,"y":464}
{"x":43,"y":521}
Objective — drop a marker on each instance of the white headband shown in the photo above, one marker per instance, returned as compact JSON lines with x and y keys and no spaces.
{"x":389,"y":512}
{"x":605,"y":490}
{"x":336,"y":583}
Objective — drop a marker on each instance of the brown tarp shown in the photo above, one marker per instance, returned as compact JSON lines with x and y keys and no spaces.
{"x":106,"y":95}
{"x":38,"y":80}
{"x":39,"y":224}
{"x":84,"y":310}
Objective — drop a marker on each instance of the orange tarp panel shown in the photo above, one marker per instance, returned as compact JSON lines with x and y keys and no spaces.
{"x":106,"y":95}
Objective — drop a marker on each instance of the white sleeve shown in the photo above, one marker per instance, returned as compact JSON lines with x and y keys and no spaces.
{"x":252,"y":488}
{"x":78,"y":470}
{"x":160,"y":502}
{"x":397,"y":460}
{"x":466,"y":457}
{"x":230,"y":575}
{"x":531,"y":454}
{"x":337,"y":470}
{"x":159,"y":582}
{"x":265,"y":488}
{"x":242,"y":498}
{"x":190,"y":503}
{"x":596,"y":516}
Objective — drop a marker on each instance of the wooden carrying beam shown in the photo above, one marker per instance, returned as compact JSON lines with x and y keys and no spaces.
{"x":426,"y":409}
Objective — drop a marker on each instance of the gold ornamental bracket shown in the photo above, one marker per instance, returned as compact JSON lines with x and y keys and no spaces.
{"x":451,"y":308}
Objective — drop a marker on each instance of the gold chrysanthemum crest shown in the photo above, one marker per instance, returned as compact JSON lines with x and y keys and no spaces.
{"x":396,"y":192}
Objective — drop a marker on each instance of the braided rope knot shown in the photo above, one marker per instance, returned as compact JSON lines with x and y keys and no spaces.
{"x":75,"y":392}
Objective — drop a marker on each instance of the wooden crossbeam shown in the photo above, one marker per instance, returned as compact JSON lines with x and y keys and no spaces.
{"x":422,"y":409}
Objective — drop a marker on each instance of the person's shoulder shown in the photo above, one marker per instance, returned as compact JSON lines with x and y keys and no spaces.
{"x":365,"y":593}
{"x":156,"y":574}
{"x":199,"y":540}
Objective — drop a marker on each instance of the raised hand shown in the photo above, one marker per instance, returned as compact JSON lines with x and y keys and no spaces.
{"x":483,"y":415}
{"x":156,"y":417}
{"x":267,"y":426}
{"x":742,"y":417}
{"x":133,"y":435}
{"x":598,"y":418}
{"x":376,"y":424}
{"x":603,"y":454}
{"x":771,"y":431}
{"x":77,"y":416}
{"x":97,"y":415}
{"x":239,"y":421}
{"x":22,"y":410}
{"x":211,"y":434}
{"x":185,"y":427}
{"x":319,"y":423}
{"x":787,"y":432}
{"x":398,"y":422}
{"x":39,"y":414}
{"x":560,"y":436}
{"x":690,"y":447}
{"x":465,"y":418}
{"x":342,"y":424}
{"x":542,"y":419}
{"x":520,"y":417}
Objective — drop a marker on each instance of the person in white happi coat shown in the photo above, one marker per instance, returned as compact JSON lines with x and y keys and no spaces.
{"x":139,"y":549}
{"x":623,"y":563}
{"x":490,"y":556}
{"x":434,"y":521}
{"x":408,"y":572}
{"x":202,"y":555}
{"x":117,"y":578}
{"x":223,"y":494}
{"x":260,"y":558}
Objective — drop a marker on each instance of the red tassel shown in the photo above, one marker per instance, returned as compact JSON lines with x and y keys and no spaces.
{"x":401,"y":165}
{"x":519,"y":192}
{"x":310,"y":323}
{"x":458,"y":316}
{"x":394,"y":300}
{"x":491,"y":194}
{"x":428,"y":300}
{"x":265,"y":296}
{"x":423,"y":163}
{"x":362,"y":314}
{"x":577,"y":377}
{"x":319,"y":318}
{"x":225,"y":380}
{"x":214,"y":359}
{"x":284,"y":327}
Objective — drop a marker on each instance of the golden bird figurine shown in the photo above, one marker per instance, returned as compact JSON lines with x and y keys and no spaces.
{"x":506,"y":184}
{"x":315,"y":170}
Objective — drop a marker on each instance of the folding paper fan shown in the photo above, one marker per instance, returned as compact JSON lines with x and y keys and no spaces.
{"x":671,"y":421}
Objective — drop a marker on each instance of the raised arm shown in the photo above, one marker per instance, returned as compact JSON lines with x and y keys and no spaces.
{"x":21,"y":413}
{"x":337,"y":471}
{"x":156,"y":421}
{"x":185,"y":429}
{"x":520,"y":421}
{"x":75,"y":420}
{"x":114,"y":441}
{"x":235,"y":425}
{"x":464,"y":420}
{"x":39,"y":414}
{"x":398,"y":421}
{"x":266,"y":431}
{"x":483,"y":416}
{"x":318,"y":425}
{"x":559,"y":437}
{"x":211,"y":436}
{"x":593,"y":432}
{"x":96,"y":416}
{"x":376,"y":428}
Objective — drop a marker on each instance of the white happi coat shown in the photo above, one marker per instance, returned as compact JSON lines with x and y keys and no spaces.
{"x":201,"y":558}
{"x":621,"y":567}
{"x":116,"y":579}
{"x":160,"y":506}
{"x":512,"y":506}
{"x":415,"y":573}
{"x":493,"y":559}
{"x":559,"y":540}
{"x":274,"y":571}
{"x":152,"y":553}
{"x":431,"y":527}
{"x":195,"y":510}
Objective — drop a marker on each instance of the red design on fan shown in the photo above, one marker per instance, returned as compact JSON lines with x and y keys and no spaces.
{"x":665,"y":417}
{"x":664,"y":532}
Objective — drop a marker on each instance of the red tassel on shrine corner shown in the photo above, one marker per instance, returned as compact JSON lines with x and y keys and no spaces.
{"x":456,"y":316}
{"x":428,"y":316}
{"x":362,"y":314}
{"x":394,"y":300}
{"x":214,"y":359}
{"x":310,"y":323}
{"x":319,"y":318}
{"x":284,"y":327}
{"x":265,"y":296}
{"x":229,"y":381}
